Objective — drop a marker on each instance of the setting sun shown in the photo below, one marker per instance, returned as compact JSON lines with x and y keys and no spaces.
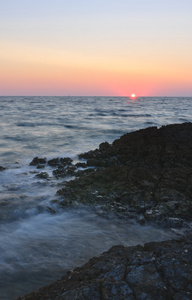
{"x":133,"y":96}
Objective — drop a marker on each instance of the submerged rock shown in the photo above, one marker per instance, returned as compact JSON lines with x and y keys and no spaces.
{"x":42,"y":175}
{"x":50,"y":209}
{"x":2,"y":168}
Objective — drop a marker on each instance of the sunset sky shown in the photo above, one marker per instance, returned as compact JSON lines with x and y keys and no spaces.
{"x":102,"y":47}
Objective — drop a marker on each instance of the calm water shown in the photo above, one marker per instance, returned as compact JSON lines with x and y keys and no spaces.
{"x":37,"y":247}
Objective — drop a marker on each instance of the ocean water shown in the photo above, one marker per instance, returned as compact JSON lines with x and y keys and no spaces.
{"x":36,"y":246}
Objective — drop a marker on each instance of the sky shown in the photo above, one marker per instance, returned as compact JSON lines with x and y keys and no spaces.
{"x":96,"y":48}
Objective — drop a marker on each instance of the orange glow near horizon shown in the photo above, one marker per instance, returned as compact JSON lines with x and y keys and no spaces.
{"x":80,"y":50}
{"x":34,"y":71}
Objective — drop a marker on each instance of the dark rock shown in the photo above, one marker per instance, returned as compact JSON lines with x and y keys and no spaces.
{"x":91,"y":291}
{"x":89,"y":155}
{"x":104,"y":146}
{"x":66,"y":161}
{"x":2,"y":168}
{"x":40,"y":166}
{"x":86,"y":171}
{"x":60,"y":161}
{"x":147,"y":172}
{"x":145,"y":175}
{"x":51,"y":210}
{"x":116,"y":290}
{"x":158,"y":270}
{"x":42,"y":175}
{"x":38,"y":161}
{"x":61,"y":171}
{"x":54,"y":162}
{"x":81,"y":165}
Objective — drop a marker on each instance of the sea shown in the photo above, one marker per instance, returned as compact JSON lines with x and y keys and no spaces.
{"x":36,"y":245}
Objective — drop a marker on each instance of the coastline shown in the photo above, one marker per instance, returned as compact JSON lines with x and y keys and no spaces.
{"x":145,"y":175}
{"x":158,"y":270}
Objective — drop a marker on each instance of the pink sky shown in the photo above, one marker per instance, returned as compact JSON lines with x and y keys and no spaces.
{"x":103,"y":48}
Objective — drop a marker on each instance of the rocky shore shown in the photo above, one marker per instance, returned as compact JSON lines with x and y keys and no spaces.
{"x":156,"y":271}
{"x":145,"y":175}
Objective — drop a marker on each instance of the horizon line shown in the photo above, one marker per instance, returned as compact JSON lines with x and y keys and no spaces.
{"x":129,"y":96}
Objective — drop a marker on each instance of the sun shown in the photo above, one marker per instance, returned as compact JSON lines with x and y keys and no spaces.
{"x":133,"y":95}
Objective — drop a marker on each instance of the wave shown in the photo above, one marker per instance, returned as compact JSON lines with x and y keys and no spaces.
{"x":26,"y":124}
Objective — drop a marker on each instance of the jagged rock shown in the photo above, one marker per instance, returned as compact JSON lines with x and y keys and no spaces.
{"x":158,"y":270}
{"x":61,"y":171}
{"x":146,"y":170}
{"x":55,"y":162}
{"x":66,"y":161}
{"x":81,"y":165}
{"x":104,"y":146}
{"x":38,"y":161}
{"x":145,"y":175}
{"x":86,"y":171}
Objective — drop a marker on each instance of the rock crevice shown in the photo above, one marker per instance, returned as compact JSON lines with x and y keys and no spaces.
{"x":157,"y":270}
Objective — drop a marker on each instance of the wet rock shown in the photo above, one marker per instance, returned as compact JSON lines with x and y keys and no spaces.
{"x":51,"y":210}
{"x":145,"y":280}
{"x":145,"y":175}
{"x":60,"y":161}
{"x":38,"y":161}
{"x":40,"y":166}
{"x":158,"y":270}
{"x":42,"y":175}
{"x":2,"y":168}
{"x":81,"y":165}
{"x":104,"y":146}
{"x":149,"y":170}
{"x":54,"y":162}
{"x":62,"y":172}
{"x":89,"y":155}
{"x":117,"y":290}
{"x":103,"y":162}
{"x":55,"y":201}
{"x":66,"y":161}
{"x":86,"y":171}
{"x":91,"y":291}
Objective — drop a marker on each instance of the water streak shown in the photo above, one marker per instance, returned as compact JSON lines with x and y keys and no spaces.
{"x":36,"y":245}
